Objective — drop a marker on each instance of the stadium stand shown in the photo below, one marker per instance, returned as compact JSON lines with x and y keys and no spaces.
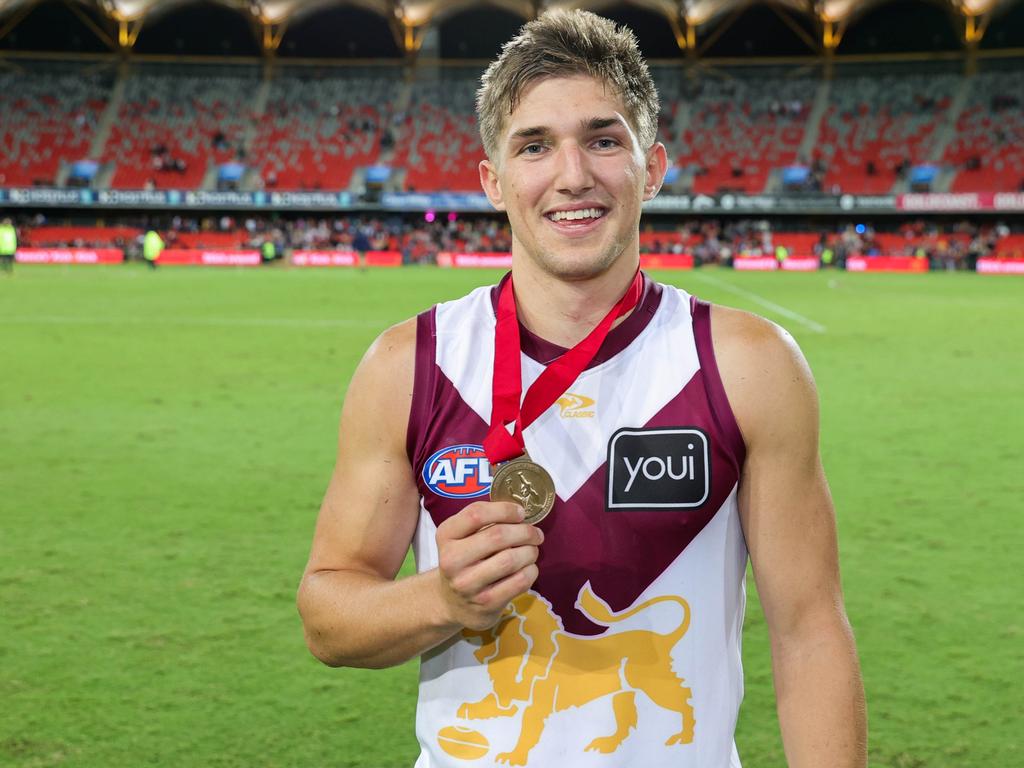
{"x":877,"y":127}
{"x":314,"y":128}
{"x":230,"y":239}
{"x":49,"y":116}
{"x":850,"y":120}
{"x":988,"y":150}
{"x":438,"y":143}
{"x":738,"y":130}
{"x":710,"y":240}
{"x":319,"y":127}
{"x":1009,"y":247}
{"x":173,"y":126}
{"x":80,"y":236}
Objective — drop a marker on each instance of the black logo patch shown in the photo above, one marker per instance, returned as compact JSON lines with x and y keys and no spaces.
{"x":664,"y":468}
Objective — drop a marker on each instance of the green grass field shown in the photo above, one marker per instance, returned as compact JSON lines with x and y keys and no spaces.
{"x":165,"y":439}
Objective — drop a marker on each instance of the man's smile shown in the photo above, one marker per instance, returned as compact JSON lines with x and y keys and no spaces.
{"x":577,"y":221}
{"x":576,"y":214}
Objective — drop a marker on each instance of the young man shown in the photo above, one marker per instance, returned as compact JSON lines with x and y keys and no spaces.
{"x":588,"y":612}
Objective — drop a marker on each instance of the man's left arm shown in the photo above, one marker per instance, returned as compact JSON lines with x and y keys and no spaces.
{"x":789,"y":524}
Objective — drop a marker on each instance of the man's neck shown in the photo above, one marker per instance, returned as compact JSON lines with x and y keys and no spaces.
{"x":564,"y":312}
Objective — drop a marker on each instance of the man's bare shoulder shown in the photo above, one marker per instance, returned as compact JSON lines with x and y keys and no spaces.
{"x":395,"y":345}
{"x":749,"y":336}
{"x":383,"y":381}
{"x":765,"y":375}
{"x":390,"y":355}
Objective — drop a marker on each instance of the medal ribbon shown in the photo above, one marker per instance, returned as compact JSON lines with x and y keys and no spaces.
{"x":507,"y":388}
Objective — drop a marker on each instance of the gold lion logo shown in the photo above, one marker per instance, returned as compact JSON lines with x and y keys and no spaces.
{"x":532,"y":661}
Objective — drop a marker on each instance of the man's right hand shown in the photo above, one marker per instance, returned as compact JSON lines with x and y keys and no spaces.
{"x":354,"y":611}
{"x":487,"y":557}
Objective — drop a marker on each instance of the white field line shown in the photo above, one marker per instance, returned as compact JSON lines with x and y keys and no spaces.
{"x":214,"y":322}
{"x":758,"y":299}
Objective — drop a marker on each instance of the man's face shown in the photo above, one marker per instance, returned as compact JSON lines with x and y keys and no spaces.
{"x":571,"y":175}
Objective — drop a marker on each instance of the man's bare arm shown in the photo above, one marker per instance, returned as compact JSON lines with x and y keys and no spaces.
{"x":789,"y":524}
{"x":354,"y":612}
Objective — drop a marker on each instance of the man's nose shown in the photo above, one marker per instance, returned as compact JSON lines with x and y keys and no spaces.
{"x":574,"y":175}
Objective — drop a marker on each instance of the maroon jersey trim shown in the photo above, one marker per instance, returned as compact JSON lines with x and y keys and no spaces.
{"x":424,"y":381}
{"x":721,"y":411}
{"x":620,"y":337}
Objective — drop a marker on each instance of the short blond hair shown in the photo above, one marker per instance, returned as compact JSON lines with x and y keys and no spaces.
{"x":562,"y":44}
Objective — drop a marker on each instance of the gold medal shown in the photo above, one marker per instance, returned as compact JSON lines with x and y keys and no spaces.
{"x":524,"y":482}
{"x":520,"y":479}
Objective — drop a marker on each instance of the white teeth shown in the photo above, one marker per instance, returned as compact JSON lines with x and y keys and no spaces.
{"x":585,"y":213}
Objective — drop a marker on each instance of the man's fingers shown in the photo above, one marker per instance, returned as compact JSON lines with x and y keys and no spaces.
{"x":460,"y":554}
{"x":487,"y":556}
{"x":509,"y":588}
{"x":480,"y":514}
{"x":472,"y":582}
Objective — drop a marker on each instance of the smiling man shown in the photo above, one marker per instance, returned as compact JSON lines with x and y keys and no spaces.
{"x":580,"y":590}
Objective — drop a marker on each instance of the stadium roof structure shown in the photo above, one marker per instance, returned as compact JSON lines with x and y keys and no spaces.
{"x":410,"y":18}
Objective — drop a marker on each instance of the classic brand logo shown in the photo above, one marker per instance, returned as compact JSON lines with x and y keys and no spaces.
{"x":658,"y":469}
{"x":458,"y":472}
{"x":576,"y":406}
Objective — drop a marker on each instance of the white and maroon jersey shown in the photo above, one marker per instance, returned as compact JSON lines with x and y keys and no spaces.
{"x":626,"y":651}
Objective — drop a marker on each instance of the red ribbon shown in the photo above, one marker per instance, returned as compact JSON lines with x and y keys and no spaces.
{"x":501,"y":445}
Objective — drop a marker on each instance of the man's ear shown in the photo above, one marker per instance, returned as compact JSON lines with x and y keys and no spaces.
{"x":657,"y":166}
{"x":491,"y":184}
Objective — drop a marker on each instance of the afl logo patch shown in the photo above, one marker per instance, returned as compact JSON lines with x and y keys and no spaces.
{"x":458,"y":472}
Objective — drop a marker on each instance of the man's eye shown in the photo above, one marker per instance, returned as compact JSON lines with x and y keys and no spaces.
{"x":606,"y":143}
{"x":533,"y":149}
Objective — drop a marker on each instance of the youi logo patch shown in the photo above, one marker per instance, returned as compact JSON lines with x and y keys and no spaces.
{"x":458,"y":472}
{"x":665,"y":468}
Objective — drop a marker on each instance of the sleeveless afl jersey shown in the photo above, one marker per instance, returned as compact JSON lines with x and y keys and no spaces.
{"x":626,"y":650}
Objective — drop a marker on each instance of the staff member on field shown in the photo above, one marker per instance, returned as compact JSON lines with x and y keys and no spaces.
{"x":152,"y":247}
{"x":8,"y":245}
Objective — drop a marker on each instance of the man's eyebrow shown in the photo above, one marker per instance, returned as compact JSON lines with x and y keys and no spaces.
{"x":589,"y":125}
{"x":600,"y":123}
{"x":528,"y":133}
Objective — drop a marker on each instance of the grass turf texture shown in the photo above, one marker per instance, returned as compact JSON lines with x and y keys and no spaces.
{"x":166,"y":439}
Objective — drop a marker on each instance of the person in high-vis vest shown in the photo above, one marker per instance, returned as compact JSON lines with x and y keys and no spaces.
{"x":268,"y":251}
{"x":781,"y":254}
{"x":152,"y":247}
{"x":8,"y":245}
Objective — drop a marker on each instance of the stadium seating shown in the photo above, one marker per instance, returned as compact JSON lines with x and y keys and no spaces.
{"x":886,"y":121}
{"x":49,"y":115}
{"x":797,"y":243}
{"x":988,"y":150}
{"x":425,"y":238}
{"x":739,"y":130}
{"x":313,"y":127}
{"x":651,"y":238}
{"x":319,"y":127}
{"x":1010,"y":246}
{"x":92,"y":237}
{"x":438,"y":143}
{"x":230,"y":239}
{"x":168,"y":118}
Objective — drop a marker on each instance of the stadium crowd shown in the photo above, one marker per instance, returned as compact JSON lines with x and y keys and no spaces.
{"x":419,"y":239}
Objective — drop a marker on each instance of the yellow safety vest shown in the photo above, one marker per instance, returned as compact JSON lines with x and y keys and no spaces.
{"x":152,"y":245}
{"x":8,"y":240}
